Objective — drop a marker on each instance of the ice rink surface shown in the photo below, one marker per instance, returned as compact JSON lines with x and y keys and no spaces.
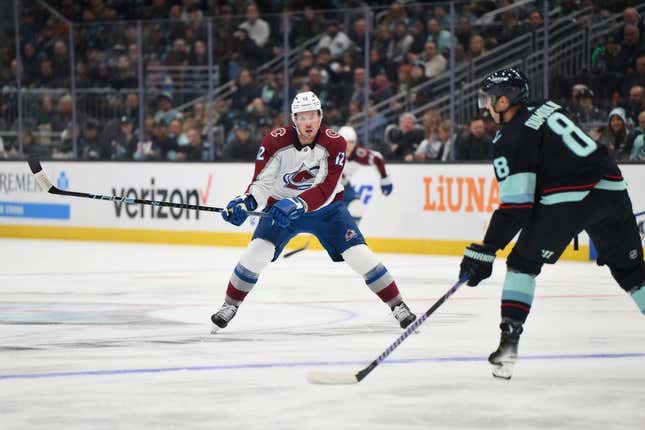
{"x":117,"y":336}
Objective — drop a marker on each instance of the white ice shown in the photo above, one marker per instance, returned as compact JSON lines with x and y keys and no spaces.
{"x":116,"y":336}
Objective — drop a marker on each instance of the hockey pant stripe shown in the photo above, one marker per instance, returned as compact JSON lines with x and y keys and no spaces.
{"x":234,"y":296}
{"x":378,"y":279}
{"x":374,"y":274}
{"x":390,"y":295}
{"x":517,"y":295}
{"x":242,"y":282}
{"x":245,"y":274}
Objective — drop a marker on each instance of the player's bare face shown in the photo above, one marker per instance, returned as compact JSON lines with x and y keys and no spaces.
{"x":307,"y":124}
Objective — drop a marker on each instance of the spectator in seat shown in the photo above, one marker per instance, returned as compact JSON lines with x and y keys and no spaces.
{"x":242,"y":145}
{"x":631,"y":46}
{"x":131,"y":107}
{"x":635,"y":104}
{"x":433,"y":61}
{"x":437,"y":149}
{"x":196,"y":150}
{"x":123,"y":145}
{"x":165,"y":112}
{"x":431,"y":121}
{"x":638,"y":146}
{"x":197,"y":118}
{"x":441,"y":37}
{"x":306,"y":26}
{"x":535,"y":20}
{"x":198,"y":55}
{"x":245,"y":93}
{"x":380,"y":87}
{"x":179,"y":54}
{"x":403,"y":139}
{"x":474,"y":144}
{"x":464,"y":31}
{"x":7,"y":151}
{"x":617,"y":137}
{"x":270,"y":92}
{"x":301,"y":71}
{"x":476,"y":47}
{"x":31,"y":148}
{"x":582,"y":107}
{"x":608,"y":67}
{"x":258,"y":29}
{"x":399,"y":45}
{"x":335,"y":40}
{"x":88,"y":142}
{"x":636,"y":77}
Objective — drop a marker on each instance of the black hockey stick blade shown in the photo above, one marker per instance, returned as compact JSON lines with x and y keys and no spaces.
{"x":346,"y":378}
{"x":295,"y":251}
{"x":46,"y":184}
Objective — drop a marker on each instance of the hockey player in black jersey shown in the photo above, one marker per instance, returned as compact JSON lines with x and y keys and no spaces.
{"x":554,"y":182}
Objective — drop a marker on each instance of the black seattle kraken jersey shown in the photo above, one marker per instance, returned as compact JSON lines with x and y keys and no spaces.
{"x":542,"y":157}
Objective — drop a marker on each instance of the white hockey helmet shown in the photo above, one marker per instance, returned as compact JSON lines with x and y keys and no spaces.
{"x":348,"y":133}
{"x":304,"y":102}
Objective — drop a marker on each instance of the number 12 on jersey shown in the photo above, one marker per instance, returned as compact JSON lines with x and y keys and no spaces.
{"x":340,"y":159}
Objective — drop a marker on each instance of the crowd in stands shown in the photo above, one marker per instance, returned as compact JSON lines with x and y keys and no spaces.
{"x":409,"y":45}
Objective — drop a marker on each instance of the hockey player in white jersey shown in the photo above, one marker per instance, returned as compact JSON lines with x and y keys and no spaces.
{"x":297,"y":181}
{"x":358,"y":157}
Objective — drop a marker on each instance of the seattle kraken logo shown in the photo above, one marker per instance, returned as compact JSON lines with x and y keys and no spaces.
{"x":302,"y":179}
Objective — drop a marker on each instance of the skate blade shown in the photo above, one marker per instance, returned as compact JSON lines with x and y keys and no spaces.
{"x":215,"y":329}
{"x":503,"y":370}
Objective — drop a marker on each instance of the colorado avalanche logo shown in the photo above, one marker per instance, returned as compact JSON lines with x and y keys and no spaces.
{"x":278,"y":132}
{"x":350,"y":234}
{"x":301,"y":179}
{"x":331,"y":134}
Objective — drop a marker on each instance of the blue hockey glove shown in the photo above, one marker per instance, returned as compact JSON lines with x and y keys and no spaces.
{"x":235,"y":212}
{"x":286,"y":210}
{"x":386,"y":186}
{"x":477,"y":263}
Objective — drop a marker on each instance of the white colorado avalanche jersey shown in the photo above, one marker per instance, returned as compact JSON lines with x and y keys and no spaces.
{"x":361,"y":157}
{"x":285,"y":168}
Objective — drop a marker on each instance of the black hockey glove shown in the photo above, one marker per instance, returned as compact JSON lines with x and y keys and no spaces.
{"x":477,"y":263}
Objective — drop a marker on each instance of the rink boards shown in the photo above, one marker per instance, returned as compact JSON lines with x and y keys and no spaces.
{"x":434,"y":208}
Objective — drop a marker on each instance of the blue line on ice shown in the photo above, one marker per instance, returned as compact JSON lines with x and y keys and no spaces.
{"x":306,"y":364}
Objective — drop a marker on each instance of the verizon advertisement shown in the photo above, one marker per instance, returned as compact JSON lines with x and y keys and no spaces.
{"x":432,"y":201}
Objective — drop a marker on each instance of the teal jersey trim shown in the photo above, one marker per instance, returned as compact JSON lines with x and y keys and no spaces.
{"x":519,"y":287}
{"x":639,"y":298}
{"x":518,"y":188}
{"x":569,"y":196}
{"x":611,"y":185}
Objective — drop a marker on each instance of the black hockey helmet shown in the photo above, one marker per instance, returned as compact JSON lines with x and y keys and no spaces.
{"x":507,"y":82}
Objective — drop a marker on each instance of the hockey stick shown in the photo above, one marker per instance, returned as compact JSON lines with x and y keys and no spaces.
{"x":45,"y":184}
{"x":295,"y":251}
{"x":339,"y":378}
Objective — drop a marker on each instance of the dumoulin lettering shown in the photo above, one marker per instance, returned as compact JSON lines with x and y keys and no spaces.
{"x":541,"y":114}
{"x":460,"y":194}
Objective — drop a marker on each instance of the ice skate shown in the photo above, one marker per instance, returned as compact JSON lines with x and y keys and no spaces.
{"x":504,"y":358}
{"x":223,"y":316}
{"x":403,"y":315}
